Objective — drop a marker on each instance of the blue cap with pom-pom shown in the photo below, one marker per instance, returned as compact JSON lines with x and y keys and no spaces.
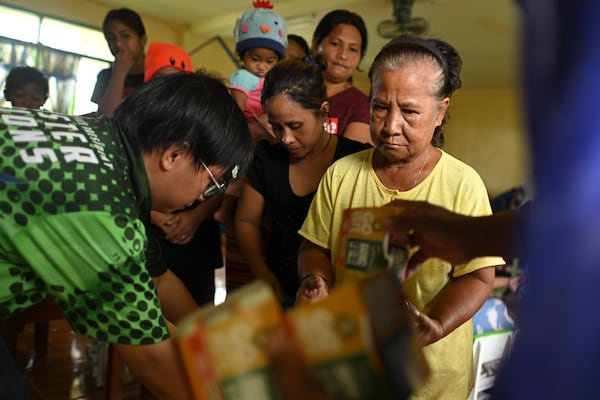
{"x":261,"y":27}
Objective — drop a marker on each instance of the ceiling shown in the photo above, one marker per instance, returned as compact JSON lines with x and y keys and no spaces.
{"x":485,"y":32}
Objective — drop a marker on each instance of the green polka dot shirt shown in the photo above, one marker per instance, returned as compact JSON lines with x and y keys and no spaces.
{"x":74,"y":212}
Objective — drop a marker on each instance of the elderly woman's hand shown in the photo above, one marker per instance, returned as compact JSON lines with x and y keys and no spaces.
{"x":312,"y":289}
{"x":428,"y":330}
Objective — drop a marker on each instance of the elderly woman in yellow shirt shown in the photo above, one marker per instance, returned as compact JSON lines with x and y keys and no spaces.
{"x":412,"y":80}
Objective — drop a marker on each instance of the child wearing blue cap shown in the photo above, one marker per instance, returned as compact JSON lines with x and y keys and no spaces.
{"x":261,"y":36}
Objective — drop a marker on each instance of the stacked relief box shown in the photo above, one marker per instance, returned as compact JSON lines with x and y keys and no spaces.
{"x":358,"y":341}
{"x":222,"y":347}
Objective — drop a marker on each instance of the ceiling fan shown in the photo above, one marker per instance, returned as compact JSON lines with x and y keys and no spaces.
{"x":403,"y":24}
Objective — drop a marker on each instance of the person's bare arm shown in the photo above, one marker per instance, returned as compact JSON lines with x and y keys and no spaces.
{"x":455,"y":305}
{"x":248,"y":220}
{"x":239,"y":97}
{"x":315,"y":273}
{"x":226,"y":212}
{"x":453,"y":237}
{"x":157,"y":367}
{"x":358,"y":131}
{"x":124,"y":60}
{"x":175,"y":300}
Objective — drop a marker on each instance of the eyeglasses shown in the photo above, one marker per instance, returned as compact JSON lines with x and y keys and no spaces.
{"x":215,"y":188}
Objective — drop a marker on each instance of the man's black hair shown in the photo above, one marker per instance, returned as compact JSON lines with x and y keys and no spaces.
{"x":190,"y":109}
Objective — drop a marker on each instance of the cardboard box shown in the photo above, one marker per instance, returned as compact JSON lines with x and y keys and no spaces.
{"x":222,"y":347}
{"x":359,"y":340}
{"x":365,"y":249}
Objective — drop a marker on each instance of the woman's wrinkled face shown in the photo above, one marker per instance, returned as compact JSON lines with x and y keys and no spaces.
{"x":120,"y":37}
{"x":298,"y":129}
{"x":341,"y":50}
{"x":404,"y":112}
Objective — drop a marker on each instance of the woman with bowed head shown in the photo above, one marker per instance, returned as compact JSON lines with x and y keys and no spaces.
{"x":283,"y":178}
{"x":412,"y":80}
{"x":339,"y":43}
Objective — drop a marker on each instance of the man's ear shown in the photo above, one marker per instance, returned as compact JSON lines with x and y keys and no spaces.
{"x":170,"y":155}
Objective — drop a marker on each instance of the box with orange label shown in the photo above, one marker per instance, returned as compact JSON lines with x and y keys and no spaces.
{"x":359,"y":340}
{"x":222,"y":347}
{"x":364,"y":248}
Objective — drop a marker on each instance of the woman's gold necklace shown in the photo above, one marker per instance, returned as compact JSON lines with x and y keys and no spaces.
{"x":422,"y":167}
{"x":417,"y":177}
